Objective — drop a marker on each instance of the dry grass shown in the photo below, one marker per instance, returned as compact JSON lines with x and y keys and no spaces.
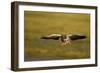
{"x":38,"y":24}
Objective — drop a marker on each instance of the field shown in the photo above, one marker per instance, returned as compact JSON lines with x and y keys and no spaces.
{"x":37,"y":24}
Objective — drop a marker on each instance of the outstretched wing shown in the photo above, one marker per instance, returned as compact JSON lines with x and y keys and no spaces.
{"x":76,"y":36}
{"x":52,"y":36}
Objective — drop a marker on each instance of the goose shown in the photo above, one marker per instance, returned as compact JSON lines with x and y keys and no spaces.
{"x":64,"y":39}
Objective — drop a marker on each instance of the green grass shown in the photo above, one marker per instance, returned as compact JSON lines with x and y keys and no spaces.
{"x":38,"y":24}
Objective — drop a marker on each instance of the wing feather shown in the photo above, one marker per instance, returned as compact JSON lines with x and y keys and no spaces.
{"x":52,"y":36}
{"x":76,"y":36}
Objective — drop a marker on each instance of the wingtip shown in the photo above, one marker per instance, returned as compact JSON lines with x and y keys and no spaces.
{"x":42,"y":37}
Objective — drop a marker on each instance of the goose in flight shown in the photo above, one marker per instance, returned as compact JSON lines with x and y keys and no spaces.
{"x":65,"y":39}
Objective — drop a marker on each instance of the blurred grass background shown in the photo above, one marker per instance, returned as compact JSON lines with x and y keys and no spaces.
{"x":37,"y":24}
